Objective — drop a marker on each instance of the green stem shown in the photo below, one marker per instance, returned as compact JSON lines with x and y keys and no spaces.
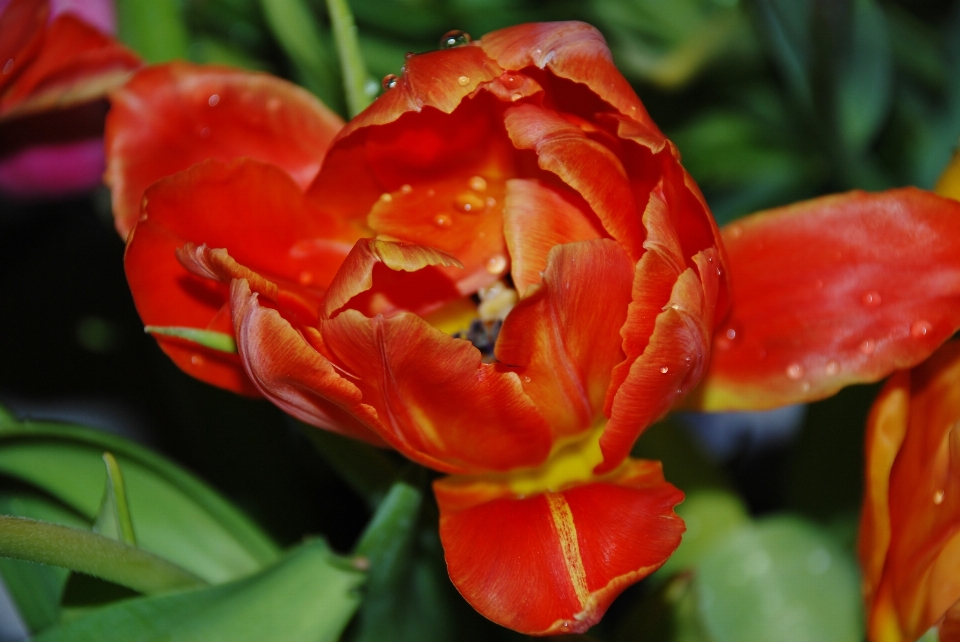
{"x":356,"y":80}
{"x":84,"y":551}
{"x":208,"y":338}
{"x":115,"y":501}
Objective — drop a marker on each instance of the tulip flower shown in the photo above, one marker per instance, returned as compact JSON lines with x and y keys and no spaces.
{"x":58,"y":62}
{"x":909,"y":535}
{"x":502,"y":270}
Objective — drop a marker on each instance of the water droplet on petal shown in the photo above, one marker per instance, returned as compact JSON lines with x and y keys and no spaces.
{"x":213,"y":100}
{"x":938,"y":497}
{"x":463,"y":81}
{"x":730,"y":334}
{"x":832,"y":368}
{"x":196,"y":360}
{"x":735,"y":231}
{"x":442,"y":220}
{"x":527,"y":379}
{"x":664,"y":369}
{"x":409,"y":55}
{"x":517,"y":96}
{"x":497,"y":264}
{"x":389,"y":81}
{"x":406,"y":188}
{"x":8,"y":66}
{"x":386,"y":197}
{"x":675,"y":306}
{"x":794,"y":371}
{"x":455,"y":38}
{"x":868,"y":346}
{"x":306,"y":277}
{"x":470,"y":202}
{"x":871,"y":298}
{"x":511,"y":80}
{"x":478,"y":184}
{"x":920,"y":328}
{"x":490,"y":201}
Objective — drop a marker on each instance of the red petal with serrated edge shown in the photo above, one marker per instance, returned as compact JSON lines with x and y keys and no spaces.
{"x":585,"y":165}
{"x":436,"y":79}
{"x":266,"y":224}
{"x":438,"y":404}
{"x":22,"y":25}
{"x":292,"y":374}
{"x":75,"y":63}
{"x":834,"y":291}
{"x":672,"y":362}
{"x":170,"y":116}
{"x":563,"y":339}
{"x":572,"y":50}
{"x":536,"y":217}
{"x":553,"y":563}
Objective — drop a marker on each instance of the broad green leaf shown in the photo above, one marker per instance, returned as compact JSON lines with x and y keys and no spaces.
{"x":779,"y":579}
{"x":113,"y":519}
{"x":785,"y":27}
{"x":308,"y":596}
{"x":81,"y":550}
{"x":36,"y":588}
{"x":297,"y":31}
{"x":177,"y":516}
{"x":155,"y":29}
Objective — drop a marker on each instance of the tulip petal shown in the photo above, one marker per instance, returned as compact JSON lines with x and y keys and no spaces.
{"x":258,"y":213}
{"x":572,"y":50}
{"x":75,"y":64}
{"x":438,"y":403}
{"x":564,"y":337}
{"x":552,"y":563}
{"x":584,"y":164}
{"x":291,"y":373}
{"x":834,"y":291}
{"x":170,"y":116}
{"x":536,"y":217}
{"x":436,"y":79}
{"x":22,"y":25}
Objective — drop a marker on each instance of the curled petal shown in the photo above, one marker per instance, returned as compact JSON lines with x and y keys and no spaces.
{"x":22,"y":25}
{"x":291,"y":373}
{"x":537,"y":217}
{"x":834,"y":291}
{"x":572,"y":50}
{"x":563,"y":338}
{"x":438,"y":404}
{"x":584,"y":164}
{"x":74,"y":63}
{"x":437,"y":79}
{"x":552,"y":563}
{"x":170,"y":116}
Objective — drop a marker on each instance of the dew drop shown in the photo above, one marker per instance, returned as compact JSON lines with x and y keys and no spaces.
{"x":794,"y":371}
{"x":463,"y":81}
{"x":675,"y":306}
{"x":406,"y":188}
{"x":871,"y":299}
{"x":196,"y":360}
{"x":490,"y":201}
{"x":470,"y":203}
{"x":409,"y":55}
{"x":306,"y":277}
{"x":735,"y":231}
{"x":868,"y":346}
{"x":497,"y":264}
{"x":511,"y":81}
{"x":527,"y":379}
{"x":805,"y":387}
{"x":664,"y":369}
{"x":832,"y":368}
{"x":478,"y":184}
{"x":730,"y":334}
{"x":455,"y":38}
{"x":389,"y":81}
{"x":442,"y":220}
{"x":920,"y":328}
{"x":213,"y":100}
{"x":386,"y":197}
{"x":938,"y":497}
{"x":8,"y":66}
{"x":517,"y":96}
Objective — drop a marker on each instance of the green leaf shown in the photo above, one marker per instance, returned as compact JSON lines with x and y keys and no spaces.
{"x":779,"y":574}
{"x":785,"y":27}
{"x":709,"y":516}
{"x":369,"y":471}
{"x":357,"y":84}
{"x":36,"y":589}
{"x":299,"y":35}
{"x":208,"y":338}
{"x":308,"y":596}
{"x":155,"y":29}
{"x":113,"y":519}
{"x":178,"y":517}
{"x":81,"y":550}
